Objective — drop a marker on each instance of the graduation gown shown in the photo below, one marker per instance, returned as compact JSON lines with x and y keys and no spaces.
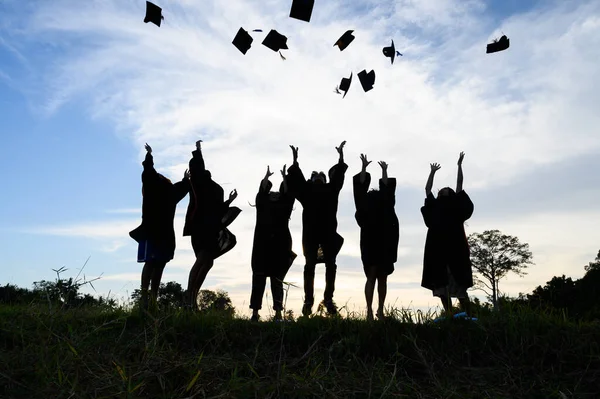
{"x":160,"y":198}
{"x":320,"y":204}
{"x":272,"y":253}
{"x":208,"y":215}
{"x":379,"y":227}
{"x":446,"y":243}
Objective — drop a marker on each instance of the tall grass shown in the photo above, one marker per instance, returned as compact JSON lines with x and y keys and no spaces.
{"x":95,"y":353}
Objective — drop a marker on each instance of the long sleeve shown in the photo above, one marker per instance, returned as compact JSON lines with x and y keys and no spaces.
{"x":360,"y":190}
{"x":149,"y":172}
{"x":388,"y":190}
{"x":465,"y":205}
{"x":296,"y":182}
{"x":263,"y":192}
{"x":180,"y":190}
{"x":337,"y":174}
{"x":428,"y":210}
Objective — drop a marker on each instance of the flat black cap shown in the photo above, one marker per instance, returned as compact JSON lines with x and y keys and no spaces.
{"x":275,"y":41}
{"x":390,"y":51}
{"x":498,"y":45}
{"x":367,"y":80}
{"x":345,"y":84}
{"x":243,"y":41}
{"x":302,"y":9}
{"x":153,"y":14}
{"x":345,"y":40}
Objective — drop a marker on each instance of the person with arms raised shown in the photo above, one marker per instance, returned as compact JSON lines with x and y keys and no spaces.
{"x":156,"y":236}
{"x":272,"y":254}
{"x":379,"y":231}
{"x":446,"y":263}
{"x":320,"y":240}
{"x":206,"y":221}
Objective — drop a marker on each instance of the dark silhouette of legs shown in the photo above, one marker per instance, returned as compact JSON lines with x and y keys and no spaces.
{"x":309,"y":286}
{"x":202,"y":266}
{"x":259,"y":281}
{"x":370,"y":290}
{"x":381,"y":293}
{"x":277,"y":293}
{"x":465,"y":305}
{"x":330,"y":272}
{"x":146,"y":278}
{"x":157,"y":273}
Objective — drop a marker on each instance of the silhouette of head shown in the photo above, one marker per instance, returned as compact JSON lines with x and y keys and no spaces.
{"x":446,"y":192}
{"x":318,"y":177}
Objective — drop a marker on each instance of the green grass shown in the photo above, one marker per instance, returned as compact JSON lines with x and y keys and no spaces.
{"x":88,"y":353}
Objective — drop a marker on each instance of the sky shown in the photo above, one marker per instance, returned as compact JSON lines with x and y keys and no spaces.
{"x":84,"y":84}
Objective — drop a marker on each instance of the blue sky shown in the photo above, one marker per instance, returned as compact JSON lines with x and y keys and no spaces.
{"x":84,"y":84}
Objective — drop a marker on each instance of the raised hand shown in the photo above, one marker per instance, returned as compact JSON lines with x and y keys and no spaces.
{"x":186,"y":174}
{"x":383,"y":165}
{"x":460,"y":158}
{"x":294,"y":153}
{"x":340,"y":149}
{"x":283,"y":172}
{"x":198,"y":145}
{"x":435,"y":167}
{"x":269,"y":173}
{"x":232,"y":195}
{"x":365,"y":162}
{"x":148,"y":148}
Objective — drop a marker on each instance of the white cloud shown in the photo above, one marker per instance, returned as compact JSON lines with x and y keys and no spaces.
{"x":513,"y":112}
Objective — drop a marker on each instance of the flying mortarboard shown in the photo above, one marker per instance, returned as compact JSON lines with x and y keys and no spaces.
{"x":153,"y":14}
{"x":367,"y":80}
{"x":390,"y":51}
{"x":302,"y":9}
{"x":498,"y":45}
{"x":243,"y":41}
{"x":275,"y":41}
{"x":345,"y":40}
{"x":345,"y":84}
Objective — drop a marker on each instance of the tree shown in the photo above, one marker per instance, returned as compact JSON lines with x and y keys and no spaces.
{"x":593,"y":265}
{"x":493,"y":256}
{"x":216,"y":301}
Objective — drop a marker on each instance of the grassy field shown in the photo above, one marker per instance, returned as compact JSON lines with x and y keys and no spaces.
{"x":89,"y":353}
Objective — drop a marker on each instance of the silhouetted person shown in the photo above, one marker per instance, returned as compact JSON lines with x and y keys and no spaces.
{"x":272,"y":253}
{"x":379,"y":231}
{"x":446,"y":263}
{"x":206,"y":222}
{"x":156,"y":236}
{"x":320,"y":241}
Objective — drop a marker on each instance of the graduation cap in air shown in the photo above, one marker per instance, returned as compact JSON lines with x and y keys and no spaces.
{"x":345,"y":40}
{"x":153,"y":14}
{"x":391,"y":52}
{"x":302,"y":9}
{"x":367,"y":80}
{"x":275,"y":41}
{"x":243,"y":41}
{"x":498,"y":45}
{"x":345,"y":85}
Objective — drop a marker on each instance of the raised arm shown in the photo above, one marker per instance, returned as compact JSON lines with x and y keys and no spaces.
{"x":338,"y":171}
{"x":434,"y":168}
{"x":387,"y":185}
{"x":459,"y":178}
{"x":384,"y":175}
{"x":181,"y":188}
{"x":284,"y":184}
{"x":363,"y":172}
{"x":295,"y":179}
{"x":148,"y":164}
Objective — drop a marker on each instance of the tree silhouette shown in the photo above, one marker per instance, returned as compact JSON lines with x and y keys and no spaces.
{"x":593,"y":265}
{"x":493,"y":256}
